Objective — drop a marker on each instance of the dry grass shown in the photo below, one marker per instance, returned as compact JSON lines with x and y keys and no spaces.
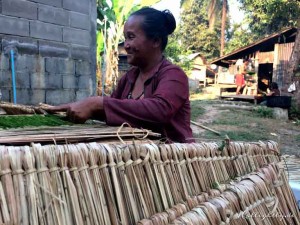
{"x":245,"y":125}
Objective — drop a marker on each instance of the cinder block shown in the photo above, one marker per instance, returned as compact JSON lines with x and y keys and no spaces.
{"x":38,"y":81}
{"x":53,"y":81}
{"x":80,"y":52}
{"x":70,"y":82}
{"x":82,"y":94}
{"x":76,"y":36}
{"x":83,"y":67}
{"x":22,"y":95}
{"x":24,"y":45}
{"x":85,"y":82}
{"x":39,"y":65}
{"x":55,"y":97}
{"x":57,"y":3}
{"x":5,"y":94}
{"x":14,"y":26}
{"x":20,"y":8}
{"x":60,"y":66}
{"x":36,"y":96}
{"x":22,"y":79}
{"x":53,"y":49}
{"x":79,"y":20}
{"x":4,"y":62}
{"x":25,"y":63}
{"x":77,"y":6}
{"x":45,"y":31}
{"x":5,"y":79}
{"x":53,"y":15}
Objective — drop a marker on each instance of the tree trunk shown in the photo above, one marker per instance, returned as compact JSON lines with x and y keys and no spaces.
{"x":212,"y":14}
{"x":293,"y":70}
{"x":223,"y":28}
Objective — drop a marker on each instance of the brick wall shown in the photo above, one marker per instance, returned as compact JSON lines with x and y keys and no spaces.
{"x":55,"y":50}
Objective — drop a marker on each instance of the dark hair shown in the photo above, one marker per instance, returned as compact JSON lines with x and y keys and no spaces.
{"x":273,"y":86}
{"x":157,"y":24}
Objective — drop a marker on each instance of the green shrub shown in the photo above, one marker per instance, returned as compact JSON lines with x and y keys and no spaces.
{"x":294,"y":111}
{"x":264,"y":112}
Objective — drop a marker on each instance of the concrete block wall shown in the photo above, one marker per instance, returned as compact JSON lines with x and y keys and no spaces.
{"x":54,"y":42}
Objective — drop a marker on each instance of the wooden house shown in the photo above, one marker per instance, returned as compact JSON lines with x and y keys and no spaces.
{"x":268,"y":59}
{"x":200,"y":71}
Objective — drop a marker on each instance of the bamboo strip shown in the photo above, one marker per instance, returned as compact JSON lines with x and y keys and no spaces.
{"x":61,"y":207}
{"x":15,"y":155}
{"x":100,"y":201}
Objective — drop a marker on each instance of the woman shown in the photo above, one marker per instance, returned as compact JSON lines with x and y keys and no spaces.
{"x":274,"y":91}
{"x":154,"y":94}
{"x":240,"y":77}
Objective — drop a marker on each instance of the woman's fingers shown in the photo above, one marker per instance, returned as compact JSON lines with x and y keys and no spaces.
{"x":58,"y":108}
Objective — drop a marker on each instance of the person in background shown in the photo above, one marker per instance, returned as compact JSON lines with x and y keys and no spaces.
{"x":240,"y":77}
{"x":154,"y":94}
{"x":274,"y":91}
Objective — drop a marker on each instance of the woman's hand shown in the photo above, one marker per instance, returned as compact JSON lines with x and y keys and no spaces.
{"x":79,"y":112}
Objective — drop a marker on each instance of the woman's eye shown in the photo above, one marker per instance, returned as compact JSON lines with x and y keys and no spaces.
{"x":130,"y":37}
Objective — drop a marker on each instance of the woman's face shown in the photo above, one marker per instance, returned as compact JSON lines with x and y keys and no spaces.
{"x":137,"y":45}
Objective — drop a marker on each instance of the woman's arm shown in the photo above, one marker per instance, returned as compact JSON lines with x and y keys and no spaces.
{"x":171,"y":93}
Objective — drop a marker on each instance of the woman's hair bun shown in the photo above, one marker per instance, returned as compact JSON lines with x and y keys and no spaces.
{"x":170,"y":21}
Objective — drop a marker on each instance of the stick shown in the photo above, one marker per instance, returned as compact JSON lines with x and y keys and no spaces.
{"x":204,"y":127}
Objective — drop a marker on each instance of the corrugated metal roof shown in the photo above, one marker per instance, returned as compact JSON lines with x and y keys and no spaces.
{"x":284,"y":36}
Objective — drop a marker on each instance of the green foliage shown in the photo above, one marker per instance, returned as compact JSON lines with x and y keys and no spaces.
{"x":294,"y":111}
{"x":238,"y":37}
{"x":264,"y":112}
{"x":194,"y":32}
{"x":248,"y":135}
{"x":269,"y":16}
{"x":31,"y":121}
{"x":176,"y":53}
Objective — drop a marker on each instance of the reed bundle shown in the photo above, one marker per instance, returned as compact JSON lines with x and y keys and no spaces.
{"x":72,"y":134}
{"x":17,"y":109}
{"x":100,"y":183}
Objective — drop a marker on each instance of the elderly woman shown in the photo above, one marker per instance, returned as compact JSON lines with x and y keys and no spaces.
{"x":154,"y":94}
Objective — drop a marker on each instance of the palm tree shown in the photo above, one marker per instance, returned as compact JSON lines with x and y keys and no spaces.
{"x":214,"y":9}
{"x":223,"y":26}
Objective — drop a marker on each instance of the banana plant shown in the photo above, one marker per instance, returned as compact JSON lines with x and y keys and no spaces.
{"x":111,"y":18}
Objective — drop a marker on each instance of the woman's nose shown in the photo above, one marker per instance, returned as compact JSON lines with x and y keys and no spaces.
{"x":126,"y":45}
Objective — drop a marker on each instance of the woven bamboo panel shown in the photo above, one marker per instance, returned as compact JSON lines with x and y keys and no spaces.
{"x":96,"y":183}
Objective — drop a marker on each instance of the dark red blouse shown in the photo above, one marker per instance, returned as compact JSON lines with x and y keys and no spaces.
{"x":165,"y":107}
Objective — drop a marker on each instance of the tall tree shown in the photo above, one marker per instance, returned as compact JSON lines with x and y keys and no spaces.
{"x":223,"y":26}
{"x":269,"y":16}
{"x":194,"y":29}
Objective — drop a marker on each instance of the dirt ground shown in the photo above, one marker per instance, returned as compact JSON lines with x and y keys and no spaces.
{"x":219,"y":117}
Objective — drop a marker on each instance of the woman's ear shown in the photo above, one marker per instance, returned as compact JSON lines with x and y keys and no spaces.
{"x":156,"y":42}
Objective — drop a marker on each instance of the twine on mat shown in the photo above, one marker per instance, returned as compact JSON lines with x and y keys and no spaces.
{"x":132,"y":132}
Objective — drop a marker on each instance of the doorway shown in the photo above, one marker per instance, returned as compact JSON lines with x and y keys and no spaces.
{"x":265,"y":74}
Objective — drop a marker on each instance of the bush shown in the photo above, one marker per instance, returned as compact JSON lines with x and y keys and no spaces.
{"x":264,"y":112}
{"x":294,"y":111}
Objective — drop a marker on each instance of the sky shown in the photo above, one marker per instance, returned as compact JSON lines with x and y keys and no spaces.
{"x":174,"y":6}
